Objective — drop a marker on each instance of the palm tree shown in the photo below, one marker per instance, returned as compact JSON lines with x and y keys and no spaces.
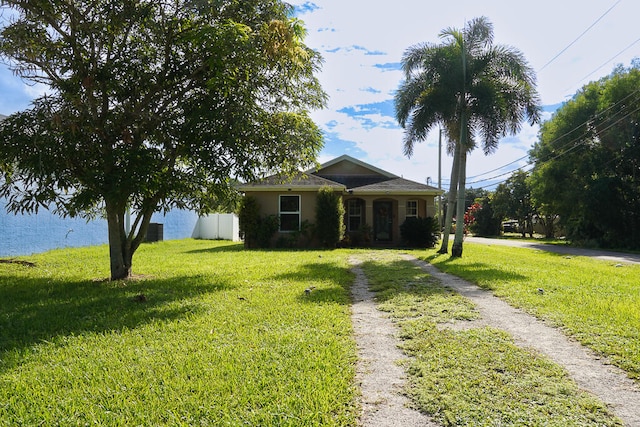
{"x":474,"y":89}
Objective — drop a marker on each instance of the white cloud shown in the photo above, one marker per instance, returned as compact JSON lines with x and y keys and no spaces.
{"x":363,"y":41}
{"x":346,"y":33}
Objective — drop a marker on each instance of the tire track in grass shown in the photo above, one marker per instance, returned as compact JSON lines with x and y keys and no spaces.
{"x":380,"y":377}
{"x":590,"y":372}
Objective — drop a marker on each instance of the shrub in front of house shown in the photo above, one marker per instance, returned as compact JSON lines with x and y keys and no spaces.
{"x":420,"y":232}
{"x":329,"y":218}
{"x":360,"y":238}
{"x":267,"y":228}
{"x":257,"y":231}
{"x":303,"y":238}
{"x":249,"y":220}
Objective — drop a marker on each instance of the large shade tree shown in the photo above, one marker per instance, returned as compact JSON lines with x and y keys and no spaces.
{"x":475,"y":90}
{"x":587,"y":162}
{"x":153,"y":105}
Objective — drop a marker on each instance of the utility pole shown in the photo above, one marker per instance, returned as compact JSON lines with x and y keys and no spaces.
{"x":440,"y":211}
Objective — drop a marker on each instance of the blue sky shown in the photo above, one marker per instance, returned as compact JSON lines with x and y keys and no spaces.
{"x":568,"y":43}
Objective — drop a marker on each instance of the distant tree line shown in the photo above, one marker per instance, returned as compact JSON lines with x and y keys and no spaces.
{"x":585,"y":179}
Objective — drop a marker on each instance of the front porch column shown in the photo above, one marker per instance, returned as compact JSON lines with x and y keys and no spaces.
{"x":368,"y":213}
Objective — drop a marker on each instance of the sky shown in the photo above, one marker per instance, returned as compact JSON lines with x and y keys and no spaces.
{"x":567,"y":42}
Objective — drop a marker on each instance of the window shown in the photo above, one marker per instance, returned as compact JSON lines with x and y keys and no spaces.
{"x":412,"y":208}
{"x":289,"y":213}
{"x":354,"y":213}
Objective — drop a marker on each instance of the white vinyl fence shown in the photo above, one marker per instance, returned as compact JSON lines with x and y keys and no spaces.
{"x":217,"y":227}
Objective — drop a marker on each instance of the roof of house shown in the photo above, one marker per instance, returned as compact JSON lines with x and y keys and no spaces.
{"x":300,"y":181}
{"x":395,"y":186}
{"x":348,"y":159}
{"x":347,"y":174}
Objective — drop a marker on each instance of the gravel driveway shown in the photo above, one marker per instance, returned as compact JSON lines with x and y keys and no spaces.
{"x":381,"y":379}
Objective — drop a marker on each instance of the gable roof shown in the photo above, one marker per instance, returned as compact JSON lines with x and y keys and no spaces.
{"x":348,"y":159}
{"x":396,"y":186}
{"x":344,"y":173}
{"x":299,"y":182}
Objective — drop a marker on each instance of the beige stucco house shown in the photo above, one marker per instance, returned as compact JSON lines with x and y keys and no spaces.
{"x":374,"y":199}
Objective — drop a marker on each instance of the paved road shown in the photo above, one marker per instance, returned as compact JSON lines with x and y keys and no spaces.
{"x":618,"y":257}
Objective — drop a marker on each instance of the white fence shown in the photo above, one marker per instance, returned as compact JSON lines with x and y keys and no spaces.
{"x":217,"y":226}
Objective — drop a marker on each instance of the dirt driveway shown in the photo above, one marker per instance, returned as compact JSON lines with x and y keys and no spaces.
{"x":382,"y":380}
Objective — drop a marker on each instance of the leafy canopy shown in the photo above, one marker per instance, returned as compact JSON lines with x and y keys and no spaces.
{"x":475,"y":90}
{"x":587,"y":162}
{"x":153,"y":105}
{"x":159,"y":101}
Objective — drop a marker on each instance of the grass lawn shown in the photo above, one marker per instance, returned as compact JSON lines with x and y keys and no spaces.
{"x":208,"y":334}
{"x":211,"y":334}
{"x":473,"y":377}
{"x":595,"y":301}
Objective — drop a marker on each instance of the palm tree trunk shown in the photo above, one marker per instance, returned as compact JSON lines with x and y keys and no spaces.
{"x":456,"y":249}
{"x":451,"y":201}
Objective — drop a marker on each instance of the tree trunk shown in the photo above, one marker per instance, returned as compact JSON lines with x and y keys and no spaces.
{"x":119,"y":249}
{"x":124,"y":243}
{"x":451,"y":201}
{"x":456,"y":249}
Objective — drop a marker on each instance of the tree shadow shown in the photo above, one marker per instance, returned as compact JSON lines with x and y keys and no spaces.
{"x":472,"y":271}
{"x":394,"y":284}
{"x":237,"y":247}
{"x":36,"y":310}
{"x":313,"y":272}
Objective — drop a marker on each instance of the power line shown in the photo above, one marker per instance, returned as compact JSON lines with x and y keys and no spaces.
{"x":577,"y":142}
{"x":580,"y":36}
{"x":637,"y":91}
{"x":499,"y":167}
{"x":608,"y":61}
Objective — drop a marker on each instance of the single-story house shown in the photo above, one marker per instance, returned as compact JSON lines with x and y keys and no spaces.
{"x":374,"y":199}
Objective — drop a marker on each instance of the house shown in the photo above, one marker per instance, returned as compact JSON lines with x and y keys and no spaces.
{"x":375,"y":200}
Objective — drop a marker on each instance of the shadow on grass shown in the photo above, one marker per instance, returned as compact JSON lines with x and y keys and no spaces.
{"x":389,"y":278}
{"x":334,"y":295}
{"x":472,"y":271}
{"x":35,"y":310}
{"x":235,"y":247}
{"x":340,"y":277}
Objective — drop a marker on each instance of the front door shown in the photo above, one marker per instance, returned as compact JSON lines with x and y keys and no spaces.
{"x":383,"y":221}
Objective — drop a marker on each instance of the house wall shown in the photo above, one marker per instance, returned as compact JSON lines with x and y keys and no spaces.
{"x":268,"y":202}
{"x":426,"y":208}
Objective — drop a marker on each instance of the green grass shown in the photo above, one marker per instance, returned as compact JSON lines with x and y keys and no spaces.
{"x":594,"y":301}
{"x":209,"y":334}
{"x":476,"y":376}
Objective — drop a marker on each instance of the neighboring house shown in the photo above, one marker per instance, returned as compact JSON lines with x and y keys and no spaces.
{"x":374,"y":199}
